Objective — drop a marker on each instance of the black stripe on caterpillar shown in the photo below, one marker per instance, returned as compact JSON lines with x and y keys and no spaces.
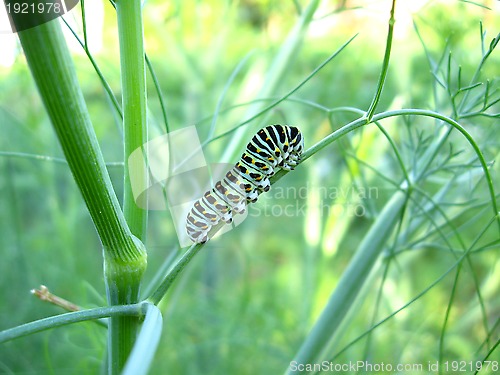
{"x":272,"y":148}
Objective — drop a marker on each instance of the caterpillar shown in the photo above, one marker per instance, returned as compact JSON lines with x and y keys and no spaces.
{"x":272,"y":148}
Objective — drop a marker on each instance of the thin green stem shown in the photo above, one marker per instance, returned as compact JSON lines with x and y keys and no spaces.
{"x":133,"y":73}
{"x":84,"y":26}
{"x":474,"y":78}
{"x":159,"y":92}
{"x":172,"y":274}
{"x":403,"y":112}
{"x":487,"y":356}
{"x":385,"y":66}
{"x":105,"y":84}
{"x":158,"y":294}
{"x":447,"y":316}
{"x":54,"y":159}
{"x":179,"y":266}
{"x":468,"y":137}
{"x":69,"y":318}
{"x":421,"y":294}
{"x":24,"y":155}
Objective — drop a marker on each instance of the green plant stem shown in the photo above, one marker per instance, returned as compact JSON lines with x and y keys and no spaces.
{"x":69,"y":318}
{"x":385,"y":66}
{"x":133,"y":73}
{"x":161,"y":290}
{"x":403,"y":112}
{"x":105,"y":84}
{"x":178,"y":267}
{"x":53,"y":71}
{"x":172,"y":274}
{"x":147,"y":342}
{"x":351,"y":282}
{"x":468,"y":137}
{"x":490,"y":352}
{"x":159,"y":93}
{"x":474,"y":78}
{"x":457,"y":263}
{"x":124,"y":255}
{"x":123,"y":287}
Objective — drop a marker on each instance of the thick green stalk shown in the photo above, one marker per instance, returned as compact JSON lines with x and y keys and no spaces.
{"x":53,"y":71}
{"x":133,"y":73}
{"x":124,"y":289}
{"x":343,"y":298}
{"x":124,"y":255}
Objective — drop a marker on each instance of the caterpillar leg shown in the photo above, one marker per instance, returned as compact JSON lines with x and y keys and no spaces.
{"x":198,"y":237}
{"x":197,"y":231}
{"x":233,"y":197}
{"x":222,"y":210}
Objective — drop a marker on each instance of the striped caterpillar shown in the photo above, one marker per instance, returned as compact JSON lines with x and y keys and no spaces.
{"x":272,"y":148}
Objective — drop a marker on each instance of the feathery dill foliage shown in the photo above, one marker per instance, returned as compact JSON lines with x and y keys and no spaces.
{"x":382,"y":246}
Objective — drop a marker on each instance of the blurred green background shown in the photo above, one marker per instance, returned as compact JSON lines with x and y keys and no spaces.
{"x":250,"y":297}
